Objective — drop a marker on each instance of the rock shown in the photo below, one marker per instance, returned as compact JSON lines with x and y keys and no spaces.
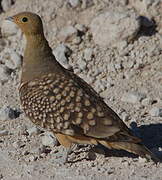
{"x":88,"y":52}
{"x":8,"y":28}
{"x":77,"y":40}
{"x":4,"y":73}
{"x":91,"y":155}
{"x":3,"y":43}
{"x":7,"y":113}
{"x":38,"y":150}
{"x":81,"y":28}
{"x":142,"y":6}
{"x":61,"y":53}
{"x":33,"y":131}
{"x":48,"y":140}
{"x":121,"y":46}
{"x":142,"y":160}
{"x":110,"y":28}
{"x":118,"y":66}
{"x":67,"y":34}
{"x":14,"y":62}
{"x":32,"y":158}
{"x":146,"y":101}
{"x":132,"y":97}
{"x":111,"y":67}
{"x":74,"y":3}
{"x":6,"y":4}
{"x":87,"y":3}
{"x":100,"y":85}
{"x":129,"y":74}
{"x":82,"y":64}
{"x":155,"y":111}
{"x":3,"y":133}
{"x":124,"y":116}
{"x":19,"y":144}
{"x":126,"y":164}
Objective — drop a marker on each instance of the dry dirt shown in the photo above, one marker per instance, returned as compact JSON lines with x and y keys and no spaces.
{"x":112,"y":71}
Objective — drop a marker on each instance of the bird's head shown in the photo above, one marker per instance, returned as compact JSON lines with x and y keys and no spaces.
{"x":28,"y":22}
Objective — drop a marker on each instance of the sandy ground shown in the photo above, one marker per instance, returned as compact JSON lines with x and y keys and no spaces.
{"x":114,"y":72}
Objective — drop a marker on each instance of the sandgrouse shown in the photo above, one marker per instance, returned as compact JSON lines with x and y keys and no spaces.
{"x":56,"y":99}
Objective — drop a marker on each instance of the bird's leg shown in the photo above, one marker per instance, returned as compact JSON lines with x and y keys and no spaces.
{"x":69,"y":146}
{"x":68,"y":152}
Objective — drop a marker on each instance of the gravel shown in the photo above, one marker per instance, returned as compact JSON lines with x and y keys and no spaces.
{"x":8,"y":28}
{"x":111,"y":49}
{"x":155,"y":111}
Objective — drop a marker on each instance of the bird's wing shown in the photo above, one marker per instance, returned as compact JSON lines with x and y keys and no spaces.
{"x":64,"y":103}
{"x":105,"y":123}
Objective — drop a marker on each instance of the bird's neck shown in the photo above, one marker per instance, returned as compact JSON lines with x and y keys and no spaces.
{"x":38,"y":58}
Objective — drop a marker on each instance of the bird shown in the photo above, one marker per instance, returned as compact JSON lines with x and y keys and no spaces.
{"x":58,"y":100}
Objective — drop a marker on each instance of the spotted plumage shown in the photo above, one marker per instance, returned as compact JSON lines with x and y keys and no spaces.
{"x":45,"y":103}
{"x":60,"y":101}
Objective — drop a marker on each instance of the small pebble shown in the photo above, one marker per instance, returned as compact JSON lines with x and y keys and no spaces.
{"x":146,"y":101}
{"x":132,"y":97}
{"x":31,"y":158}
{"x":14,"y":62}
{"x":142,"y":160}
{"x":74,"y":3}
{"x":6,"y":4}
{"x":82,"y":64}
{"x":81,"y":28}
{"x":33,"y":131}
{"x":88,"y":52}
{"x":8,"y":28}
{"x":7,"y":113}
{"x":48,"y":140}
{"x":156,"y":112}
{"x":18,"y":144}
{"x":4,"y":74}
{"x":61,"y":52}
{"x":3,"y":132}
{"x":124,"y":116}
{"x":68,"y":33}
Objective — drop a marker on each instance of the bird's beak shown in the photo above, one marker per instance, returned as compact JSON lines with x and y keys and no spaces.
{"x":10,"y":18}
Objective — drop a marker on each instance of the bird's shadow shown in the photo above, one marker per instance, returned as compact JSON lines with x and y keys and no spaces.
{"x":151,"y":136}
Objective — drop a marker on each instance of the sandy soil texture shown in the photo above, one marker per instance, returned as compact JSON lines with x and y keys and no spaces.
{"x":116,"y":46}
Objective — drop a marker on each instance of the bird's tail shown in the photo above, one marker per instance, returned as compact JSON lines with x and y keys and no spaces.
{"x":138,"y":149}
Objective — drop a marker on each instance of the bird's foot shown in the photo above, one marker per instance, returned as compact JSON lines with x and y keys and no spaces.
{"x":62,"y":158}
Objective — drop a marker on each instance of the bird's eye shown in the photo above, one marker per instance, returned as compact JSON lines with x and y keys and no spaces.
{"x":24,"y":19}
